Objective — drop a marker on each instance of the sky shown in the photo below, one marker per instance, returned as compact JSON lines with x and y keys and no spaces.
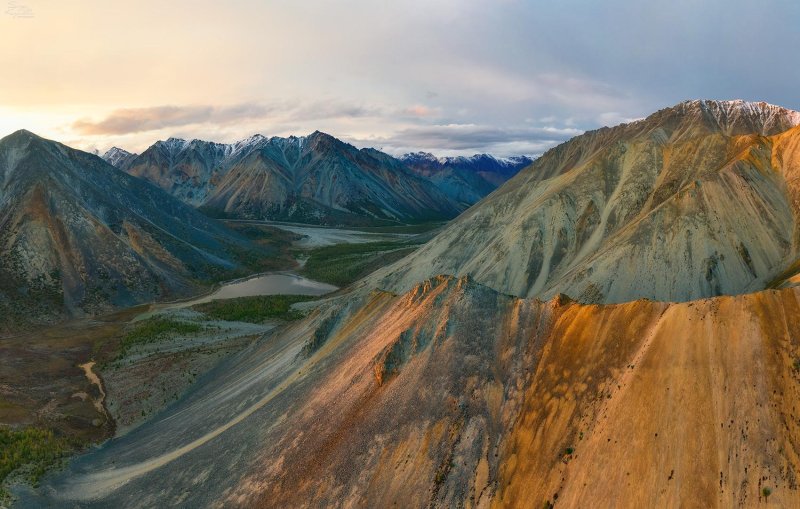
{"x":443,"y":76}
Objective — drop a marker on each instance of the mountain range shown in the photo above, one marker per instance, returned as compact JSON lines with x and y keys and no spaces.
{"x":315,"y":179}
{"x":78,"y":236}
{"x":465,"y":179}
{"x":616,"y":326}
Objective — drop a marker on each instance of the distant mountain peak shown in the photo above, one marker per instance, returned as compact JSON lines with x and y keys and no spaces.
{"x":118,"y":157}
{"x":321,"y":136}
{"x":173,"y":144}
{"x":195,"y":171}
{"x":465,"y":179}
{"x":20,"y":136}
{"x":422,"y":157}
{"x":731,"y":117}
{"x":427,"y":157}
{"x":255,"y":138}
{"x":737,"y":106}
{"x":314,"y":178}
{"x":116,"y":151}
{"x":324,"y":141}
{"x":25,"y":133}
{"x":731,"y":103}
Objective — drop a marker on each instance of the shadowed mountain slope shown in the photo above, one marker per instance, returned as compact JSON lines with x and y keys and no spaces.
{"x":696,"y":200}
{"x":465,"y":179}
{"x":78,"y":235}
{"x":314,"y":179}
{"x":453,"y":394}
{"x":320,"y":179}
{"x":187,"y":170}
{"x":119,"y":158}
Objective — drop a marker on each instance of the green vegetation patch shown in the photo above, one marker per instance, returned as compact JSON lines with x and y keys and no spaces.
{"x":254,"y":309}
{"x":156,"y":329}
{"x":405,"y":228}
{"x":342,"y":264}
{"x":31,"y":451}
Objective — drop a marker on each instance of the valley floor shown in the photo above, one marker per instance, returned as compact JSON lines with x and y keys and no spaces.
{"x":148,"y":357}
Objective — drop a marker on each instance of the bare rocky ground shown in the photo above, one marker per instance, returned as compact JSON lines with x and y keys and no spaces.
{"x":454,"y":395}
{"x":152,"y":376}
{"x":76,"y":380}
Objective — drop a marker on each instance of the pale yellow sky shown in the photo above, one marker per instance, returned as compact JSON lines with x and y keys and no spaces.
{"x":84,"y":59}
{"x":447,"y":76}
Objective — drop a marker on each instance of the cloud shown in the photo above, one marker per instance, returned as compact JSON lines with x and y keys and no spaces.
{"x":319,"y":110}
{"x":472,"y":138}
{"x":384,"y":67}
{"x":467,"y":136}
{"x":612,"y":118}
{"x":135,"y":120}
{"x":418,"y":110}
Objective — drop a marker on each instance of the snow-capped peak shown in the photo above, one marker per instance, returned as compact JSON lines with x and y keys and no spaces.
{"x":174,"y":144}
{"x":251,"y":140}
{"x":476,"y":159}
{"x":116,"y":156}
{"x":422,"y":157}
{"x":728,"y":115}
{"x":115,"y":152}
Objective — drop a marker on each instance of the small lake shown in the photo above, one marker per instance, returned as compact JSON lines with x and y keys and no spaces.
{"x":267,"y":284}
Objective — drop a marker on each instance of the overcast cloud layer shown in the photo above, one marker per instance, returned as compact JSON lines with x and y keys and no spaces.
{"x":445,"y":76}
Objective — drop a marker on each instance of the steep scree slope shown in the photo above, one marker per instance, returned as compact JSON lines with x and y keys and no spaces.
{"x":455,"y":394}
